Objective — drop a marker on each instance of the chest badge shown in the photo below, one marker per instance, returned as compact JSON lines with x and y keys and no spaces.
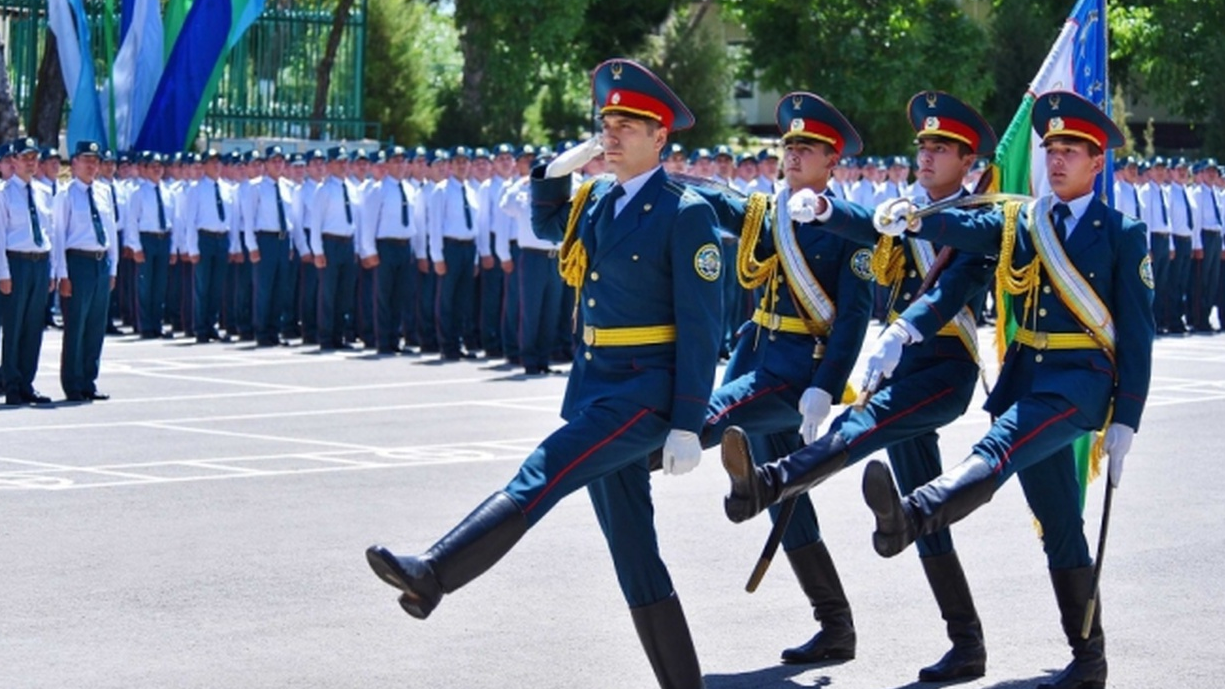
{"x":708,"y":262}
{"x":861,"y":264}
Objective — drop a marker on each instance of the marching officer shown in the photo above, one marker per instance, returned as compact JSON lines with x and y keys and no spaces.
{"x":1081,"y":278}
{"x":644,"y":254}
{"x":25,"y":273}
{"x":86,"y":245}
{"x":793,"y":358}
{"x":927,"y":363}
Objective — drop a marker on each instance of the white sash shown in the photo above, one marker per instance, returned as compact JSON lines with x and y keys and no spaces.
{"x":807,"y":291}
{"x":965,"y":322}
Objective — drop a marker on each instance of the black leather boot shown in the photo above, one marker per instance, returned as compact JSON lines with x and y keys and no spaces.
{"x":968,"y":656}
{"x":1088,"y":667}
{"x":665,"y":637}
{"x":946,"y":499}
{"x":815,"y":571}
{"x":472,"y":547}
{"x":754,"y":488}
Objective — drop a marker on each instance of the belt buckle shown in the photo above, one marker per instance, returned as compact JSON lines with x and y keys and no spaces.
{"x":588,"y":335}
{"x":1041,"y":340}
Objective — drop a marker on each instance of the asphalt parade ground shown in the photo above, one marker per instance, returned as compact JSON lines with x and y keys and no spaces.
{"x":206,"y":527}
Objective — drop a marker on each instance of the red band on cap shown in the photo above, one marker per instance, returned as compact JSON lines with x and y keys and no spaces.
{"x":620,"y":100}
{"x":952,"y":129}
{"x":1072,"y":126}
{"x":816,"y":129}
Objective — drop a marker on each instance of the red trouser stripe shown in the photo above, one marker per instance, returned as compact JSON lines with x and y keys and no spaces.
{"x":760,"y":393}
{"x":1030,"y":436}
{"x":590,"y":451}
{"x":905,"y":412}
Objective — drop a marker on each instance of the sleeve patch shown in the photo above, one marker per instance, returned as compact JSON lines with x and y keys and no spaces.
{"x":708,"y":262}
{"x":861,"y":264}
{"x":1146,"y":271}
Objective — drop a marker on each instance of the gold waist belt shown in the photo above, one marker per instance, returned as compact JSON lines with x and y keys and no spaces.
{"x":1040,"y":340}
{"x":786,"y":324}
{"x":628,"y":337}
{"x":949,"y":329}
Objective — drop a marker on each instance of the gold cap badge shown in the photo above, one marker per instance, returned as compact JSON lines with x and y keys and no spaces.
{"x":931,"y":124}
{"x":1055,"y":125}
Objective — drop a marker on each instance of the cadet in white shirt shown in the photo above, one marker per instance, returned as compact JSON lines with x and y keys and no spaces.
{"x":491,"y":222}
{"x":389,"y":239}
{"x":1155,"y":201}
{"x":452,"y":247}
{"x":86,"y":245}
{"x":1207,"y":249}
{"x":25,"y":272}
{"x":308,"y":293}
{"x":1126,"y":194}
{"x":211,"y":237}
{"x":268,"y":230}
{"x":334,"y":218}
{"x":1183,"y":231}
{"x":148,"y":236}
{"x":540,"y":286}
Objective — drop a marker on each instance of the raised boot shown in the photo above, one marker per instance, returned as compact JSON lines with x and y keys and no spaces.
{"x":665,"y":637}
{"x":472,"y":547}
{"x":754,"y":488}
{"x":818,"y":578}
{"x":968,"y":656}
{"x":1088,"y":667}
{"x":946,"y":499}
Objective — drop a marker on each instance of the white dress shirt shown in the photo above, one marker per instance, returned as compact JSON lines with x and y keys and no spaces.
{"x":73,"y":224}
{"x":16,"y":228}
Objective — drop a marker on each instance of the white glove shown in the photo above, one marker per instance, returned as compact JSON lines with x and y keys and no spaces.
{"x":890,"y":217}
{"x":682,"y":452}
{"x":1118,"y":444}
{"x":575,"y":158}
{"x":886,"y":354}
{"x":804,"y":206}
{"x":814,"y":406}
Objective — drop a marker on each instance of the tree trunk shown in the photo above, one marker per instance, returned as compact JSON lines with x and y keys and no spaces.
{"x":49,"y":97}
{"x":10,"y":121}
{"x":471,"y":102}
{"x":324,"y":80}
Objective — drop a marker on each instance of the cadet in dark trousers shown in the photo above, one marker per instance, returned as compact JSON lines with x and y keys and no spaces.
{"x":644,"y":252}
{"x":26,"y":280}
{"x":334,"y":218}
{"x":149,"y":236}
{"x":389,"y":238}
{"x":86,"y":243}
{"x":269,"y":232}
{"x":1081,"y":279}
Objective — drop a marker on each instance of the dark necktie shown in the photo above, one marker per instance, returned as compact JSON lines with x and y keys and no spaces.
{"x":280,"y":206}
{"x":1135,"y":195}
{"x":608,"y":213}
{"x":1165,"y":217}
{"x":463,"y":193}
{"x":1060,"y":213}
{"x":344,"y":190}
{"x":114,"y":202}
{"x":1216,"y":207}
{"x":36,"y":227}
{"x":99,"y":233}
{"x":1186,"y":202}
{"x":403,"y":204}
{"x":161,"y":207}
{"x":217,"y":196}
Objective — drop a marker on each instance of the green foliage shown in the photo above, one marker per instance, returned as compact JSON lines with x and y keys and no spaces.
{"x":412,"y":61}
{"x":1022,"y":32}
{"x":691,"y":58}
{"x":618,"y":28}
{"x":1119,"y":114}
{"x":867,"y":58}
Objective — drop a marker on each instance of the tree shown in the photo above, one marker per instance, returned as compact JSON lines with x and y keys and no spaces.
{"x":324,"y":79}
{"x":867,"y":58}
{"x":412,"y":58}
{"x":692,"y":59}
{"x":1022,"y":32}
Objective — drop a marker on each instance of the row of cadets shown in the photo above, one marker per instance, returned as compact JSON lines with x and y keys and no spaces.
{"x":1207,"y":254}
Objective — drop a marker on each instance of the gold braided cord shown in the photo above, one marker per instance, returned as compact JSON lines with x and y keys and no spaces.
{"x":888,"y":261}
{"x":572,"y":257}
{"x":751,"y":273}
{"x":1010,"y":281}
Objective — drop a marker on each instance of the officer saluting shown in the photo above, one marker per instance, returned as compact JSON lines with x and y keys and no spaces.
{"x":1082,"y":283}
{"x":644,"y":255}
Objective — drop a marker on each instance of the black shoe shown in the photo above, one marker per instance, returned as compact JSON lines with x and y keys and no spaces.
{"x":946,"y":499}
{"x":168,"y":335}
{"x":15,"y":399}
{"x":514,"y":360}
{"x":226,"y":338}
{"x":310,"y":340}
{"x":112,"y":330}
{"x":754,"y":488}
{"x":391,"y":351}
{"x":98,"y":396}
{"x":150,"y":336}
{"x":35,"y":397}
{"x":665,"y":637}
{"x":1073,"y":589}
{"x":968,"y":656}
{"x":268,"y":343}
{"x":430,"y":349}
{"x":471,"y":548}
{"x":818,"y":577}
{"x":202,"y":339}
{"x":246,"y":337}
{"x":451,"y":356}
{"x":77,"y":397}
